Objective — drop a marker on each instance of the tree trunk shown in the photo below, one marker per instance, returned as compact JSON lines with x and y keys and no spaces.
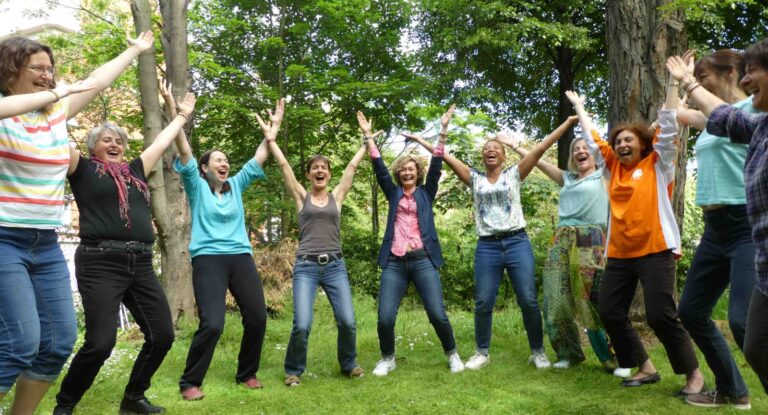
{"x":640,"y":38}
{"x":564,"y":67}
{"x":169,"y":204}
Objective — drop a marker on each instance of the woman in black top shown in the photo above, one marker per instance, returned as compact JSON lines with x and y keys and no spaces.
{"x":114,"y":260}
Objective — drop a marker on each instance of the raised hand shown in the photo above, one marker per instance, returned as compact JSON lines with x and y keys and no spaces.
{"x":365,"y":124}
{"x":506,"y":140}
{"x":143,"y":42}
{"x":170,"y":102}
{"x":681,"y":68}
{"x":187,"y":105}
{"x":446,"y":118}
{"x":576,"y":99}
{"x":64,"y":90}
{"x":271,"y":128}
{"x":573,"y":119}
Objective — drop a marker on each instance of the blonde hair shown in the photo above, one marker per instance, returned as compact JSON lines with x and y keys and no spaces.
{"x":400,"y":163}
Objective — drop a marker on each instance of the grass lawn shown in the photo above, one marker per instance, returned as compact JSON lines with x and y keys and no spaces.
{"x":421,"y":384}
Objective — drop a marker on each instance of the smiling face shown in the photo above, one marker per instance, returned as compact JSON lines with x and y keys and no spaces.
{"x":493,"y":154}
{"x":35,"y":76}
{"x":408,"y":175}
{"x":582,"y":157}
{"x":109,"y":147}
{"x":319,"y":174}
{"x":628,"y":147}
{"x":756,"y":82}
{"x":216,"y":169}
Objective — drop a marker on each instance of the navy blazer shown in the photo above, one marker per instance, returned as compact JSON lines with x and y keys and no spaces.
{"x":424,"y":195}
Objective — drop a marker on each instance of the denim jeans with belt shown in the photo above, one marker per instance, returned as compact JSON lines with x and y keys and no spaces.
{"x":512,"y":253}
{"x":394,"y":282}
{"x":725,"y":256}
{"x":332,"y":277}
{"x":37,"y":317}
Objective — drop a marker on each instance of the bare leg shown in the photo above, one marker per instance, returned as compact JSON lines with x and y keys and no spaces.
{"x":28,"y":395}
{"x":694,"y":382}
{"x":646,"y":368}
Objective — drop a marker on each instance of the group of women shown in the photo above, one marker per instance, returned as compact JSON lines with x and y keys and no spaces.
{"x":615,"y":228}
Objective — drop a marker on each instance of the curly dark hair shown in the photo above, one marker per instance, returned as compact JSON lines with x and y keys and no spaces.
{"x":203,"y":160}
{"x":14,"y":55}
{"x":640,"y":129}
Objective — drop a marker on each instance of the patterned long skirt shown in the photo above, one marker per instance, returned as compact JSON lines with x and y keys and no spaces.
{"x":572,"y":275}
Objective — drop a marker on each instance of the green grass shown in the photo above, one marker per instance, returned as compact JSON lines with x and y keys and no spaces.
{"x":421,"y":384}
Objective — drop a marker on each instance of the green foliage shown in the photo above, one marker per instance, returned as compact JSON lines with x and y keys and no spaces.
{"x":693,"y":228}
{"x":719,"y":24}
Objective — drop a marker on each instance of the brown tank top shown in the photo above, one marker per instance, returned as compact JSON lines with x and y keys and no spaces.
{"x":319,"y":228}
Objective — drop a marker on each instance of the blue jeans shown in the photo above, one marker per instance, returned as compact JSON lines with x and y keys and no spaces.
{"x":37,"y":317}
{"x":492,"y":257}
{"x":332,"y":277}
{"x":394,"y":282}
{"x":726,"y":255}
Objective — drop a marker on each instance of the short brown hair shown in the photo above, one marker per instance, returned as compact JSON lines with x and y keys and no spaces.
{"x":315,"y":158}
{"x":757,"y":54}
{"x":721,"y":62}
{"x":642,"y":130}
{"x":401,"y":161}
{"x":14,"y":55}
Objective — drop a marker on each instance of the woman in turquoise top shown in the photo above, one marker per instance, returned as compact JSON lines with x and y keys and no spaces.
{"x":222,"y":258}
{"x":575,"y":260}
{"x":726,"y":254}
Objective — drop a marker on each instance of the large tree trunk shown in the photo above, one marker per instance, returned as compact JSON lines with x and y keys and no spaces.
{"x":169,"y":204}
{"x":640,"y":38}
{"x":565,"y":69}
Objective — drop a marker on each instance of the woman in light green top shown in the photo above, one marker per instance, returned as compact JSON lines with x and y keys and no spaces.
{"x":575,"y":260}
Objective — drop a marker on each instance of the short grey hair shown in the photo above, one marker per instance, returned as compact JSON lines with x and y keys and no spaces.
{"x":107,"y":126}
{"x":572,"y":166}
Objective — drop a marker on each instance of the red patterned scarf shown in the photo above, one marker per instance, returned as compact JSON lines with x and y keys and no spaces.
{"x":121,"y":174}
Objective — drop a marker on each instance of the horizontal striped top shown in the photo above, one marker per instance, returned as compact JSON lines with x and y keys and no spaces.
{"x":34,"y":157}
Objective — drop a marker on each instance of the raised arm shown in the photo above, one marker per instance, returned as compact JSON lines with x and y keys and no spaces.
{"x":19,"y":104}
{"x":681,"y":69}
{"x":172,"y":131}
{"x":341,"y":189}
{"x":525,"y":165}
{"x":549,"y":170}
{"x":104,"y":75}
{"x":270,"y":129}
{"x":182,"y":145}
{"x":578,"y":105}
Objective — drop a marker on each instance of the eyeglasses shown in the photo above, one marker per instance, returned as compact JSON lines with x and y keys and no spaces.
{"x":40,"y":69}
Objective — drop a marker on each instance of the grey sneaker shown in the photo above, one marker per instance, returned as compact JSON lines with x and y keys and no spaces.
{"x":477,"y":361}
{"x":292,"y":380}
{"x":713,"y":399}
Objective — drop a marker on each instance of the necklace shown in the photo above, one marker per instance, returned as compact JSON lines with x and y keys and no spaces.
{"x":320,"y":201}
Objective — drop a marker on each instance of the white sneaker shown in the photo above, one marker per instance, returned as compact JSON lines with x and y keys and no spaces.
{"x":477,"y":361}
{"x":622,"y":372}
{"x":454,"y":362}
{"x":384,"y":366}
{"x":540,"y":360}
{"x":562,"y":364}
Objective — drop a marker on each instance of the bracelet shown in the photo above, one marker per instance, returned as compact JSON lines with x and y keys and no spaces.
{"x":516,"y":147}
{"x":55,"y":94}
{"x":687,"y":82}
{"x":271,"y":141}
{"x":688,"y":91}
{"x":182,"y":115}
{"x":673,"y":83}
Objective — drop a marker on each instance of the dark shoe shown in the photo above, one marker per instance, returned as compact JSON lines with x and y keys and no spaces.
{"x":192,"y":394}
{"x":713,"y":399}
{"x":62,"y":410}
{"x":683,"y":394}
{"x":139,"y":406}
{"x":253,"y":383}
{"x":653,"y":378}
{"x":292,"y":380}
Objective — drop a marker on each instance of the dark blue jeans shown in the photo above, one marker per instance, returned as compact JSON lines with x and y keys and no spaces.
{"x":492,"y":257}
{"x":725,"y":256}
{"x":756,"y":339}
{"x":307,"y":275}
{"x":37,"y":318}
{"x":394,"y":282}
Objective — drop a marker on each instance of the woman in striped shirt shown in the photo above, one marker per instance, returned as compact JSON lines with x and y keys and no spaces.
{"x":37,"y":320}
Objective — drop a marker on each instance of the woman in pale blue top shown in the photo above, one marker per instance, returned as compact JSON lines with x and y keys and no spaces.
{"x":575,"y":260}
{"x":726,"y":254}
{"x":222,"y":258}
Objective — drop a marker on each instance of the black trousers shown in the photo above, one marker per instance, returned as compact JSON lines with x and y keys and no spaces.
{"x":756,"y":340}
{"x":656,"y":273}
{"x":211,"y":276}
{"x":105,"y":278}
